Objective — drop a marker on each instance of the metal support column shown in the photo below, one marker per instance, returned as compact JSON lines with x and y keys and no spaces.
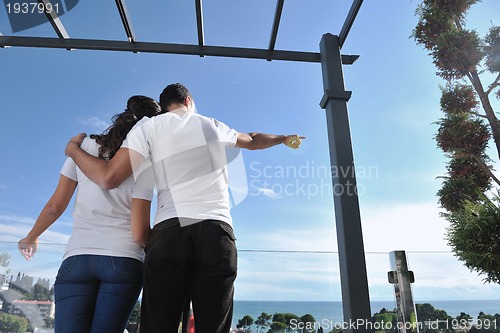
{"x":353,"y":277}
{"x":402,"y":279}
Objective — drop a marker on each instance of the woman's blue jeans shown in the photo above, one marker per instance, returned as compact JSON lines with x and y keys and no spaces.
{"x":96,"y":294}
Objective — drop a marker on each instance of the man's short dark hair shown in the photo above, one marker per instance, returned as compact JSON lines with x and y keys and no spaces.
{"x":173,"y":93}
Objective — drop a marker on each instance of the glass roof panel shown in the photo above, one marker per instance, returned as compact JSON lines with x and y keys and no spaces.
{"x":164,"y":21}
{"x":239,"y":24}
{"x":87,"y":19}
{"x":296,"y":32}
{"x":226,"y":22}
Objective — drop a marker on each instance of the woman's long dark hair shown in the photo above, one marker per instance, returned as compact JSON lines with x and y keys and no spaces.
{"x":112,"y":138}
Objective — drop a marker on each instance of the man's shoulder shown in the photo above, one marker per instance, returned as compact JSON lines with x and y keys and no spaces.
{"x":213,"y":121}
{"x":161,"y":118}
{"x":203,"y":118}
{"x":200,"y":119}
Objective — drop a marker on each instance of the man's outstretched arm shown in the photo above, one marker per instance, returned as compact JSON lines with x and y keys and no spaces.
{"x":255,"y":141}
{"x":107,"y":174}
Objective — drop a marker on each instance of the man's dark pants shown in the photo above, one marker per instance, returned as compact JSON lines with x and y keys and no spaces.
{"x":198,"y":261}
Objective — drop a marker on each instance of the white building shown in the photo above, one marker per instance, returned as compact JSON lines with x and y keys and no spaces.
{"x":35,"y":311}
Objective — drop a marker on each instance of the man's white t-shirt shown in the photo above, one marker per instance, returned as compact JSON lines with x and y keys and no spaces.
{"x":101,"y":219}
{"x":187,"y":152}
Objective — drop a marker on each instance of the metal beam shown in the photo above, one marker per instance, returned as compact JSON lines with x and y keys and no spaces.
{"x":3,"y":46}
{"x":349,"y":21}
{"x":199,"y":24}
{"x":353,"y":276}
{"x":122,"y":9}
{"x":276,"y":24}
{"x":54,"y":20}
{"x":147,"y":47}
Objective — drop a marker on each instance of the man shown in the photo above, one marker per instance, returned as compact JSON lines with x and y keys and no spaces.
{"x":192,"y":251}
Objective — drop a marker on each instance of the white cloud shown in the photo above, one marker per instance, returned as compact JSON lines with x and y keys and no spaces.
{"x":410,"y":227}
{"x":416,"y":228}
{"x":262,"y":290}
{"x":299,"y":239}
{"x":94,"y":122}
{"x":15,"y":227}
{"x":13,"y":233}
{"x":287,"y":276}
{"x":268,"y":193}
{"x":50,"y":249}
{"x":17,"y":219}
{"x":5,"y":205}
{"x":438,"y":276}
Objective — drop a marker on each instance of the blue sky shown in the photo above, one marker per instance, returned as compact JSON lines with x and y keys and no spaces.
{"x":50,"y":95}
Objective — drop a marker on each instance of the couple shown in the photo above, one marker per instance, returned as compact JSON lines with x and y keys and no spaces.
{"x":190,"y":251}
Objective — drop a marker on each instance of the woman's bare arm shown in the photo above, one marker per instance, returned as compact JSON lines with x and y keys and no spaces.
{"x":54,"y":208}
{"x":140,"y":215}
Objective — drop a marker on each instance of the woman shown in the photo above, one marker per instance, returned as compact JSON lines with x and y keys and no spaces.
{"x":100,"y":278}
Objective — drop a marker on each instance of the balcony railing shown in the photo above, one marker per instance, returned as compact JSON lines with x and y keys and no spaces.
{"x":270,"y":281}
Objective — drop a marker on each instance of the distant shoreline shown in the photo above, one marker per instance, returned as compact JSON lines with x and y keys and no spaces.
{"x":371,"y":301}
{"x":332,"y":310}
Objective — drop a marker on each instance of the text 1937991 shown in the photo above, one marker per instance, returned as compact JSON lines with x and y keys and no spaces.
{"x":31,"y":8}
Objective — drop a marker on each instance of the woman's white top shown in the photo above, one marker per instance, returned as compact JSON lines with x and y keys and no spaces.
{"x":101,"y":218}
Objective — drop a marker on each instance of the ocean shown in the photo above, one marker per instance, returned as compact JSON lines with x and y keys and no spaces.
{"x":332,"y":311}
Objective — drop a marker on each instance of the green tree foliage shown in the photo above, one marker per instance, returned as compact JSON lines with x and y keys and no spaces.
{"x":49,"y":322}
{"x":11,"y":323}
{"x":464,"y":316}
{"x":433,"y":320}
{"x":385,"y":319}
{"x":135,"y":316}
{"x":277,"y":327}
{"x":486,"y":323}
{"x":469,"y":124}
{"x":308,"y":321}
{"x":263,"y":321}
{"x":474,"y":239}
{"x":282,"y":322}
{"x":463,"y":321}
{"x":246,"y":322}
{"x":41,"y":291}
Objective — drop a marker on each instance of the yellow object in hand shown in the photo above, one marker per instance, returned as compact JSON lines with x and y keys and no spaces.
{"x":294,"y":141}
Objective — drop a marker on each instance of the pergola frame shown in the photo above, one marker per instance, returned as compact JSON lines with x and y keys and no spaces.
{"x":353,"y":275}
